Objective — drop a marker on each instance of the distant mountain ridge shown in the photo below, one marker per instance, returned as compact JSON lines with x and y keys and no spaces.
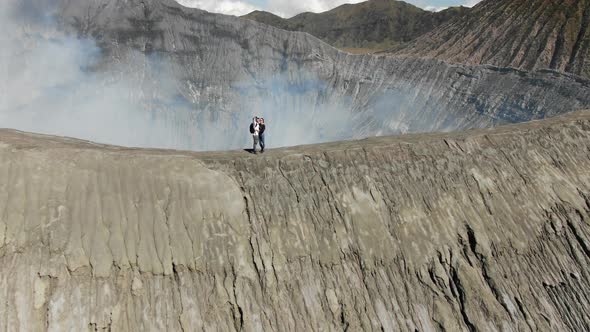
{"x":525,"y":34}
{"x":374,"y":24}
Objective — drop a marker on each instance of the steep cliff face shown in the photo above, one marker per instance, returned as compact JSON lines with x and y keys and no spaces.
{"x":222,"y":70}
{"x":530,"y":34}
{"x":480,"y":230}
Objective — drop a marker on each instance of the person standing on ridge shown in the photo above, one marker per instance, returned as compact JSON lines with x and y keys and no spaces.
{"x":255,"y":131}
{"x":262,"y":128}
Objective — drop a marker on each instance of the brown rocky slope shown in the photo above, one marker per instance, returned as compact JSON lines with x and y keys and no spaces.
{"x":479,"y":230}
{"x":526,"y":34}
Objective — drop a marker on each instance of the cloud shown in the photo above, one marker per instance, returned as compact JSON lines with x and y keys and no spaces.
{"x":289,"y":8}
{"x":439,"y":5}
{"x":228,"y":7}
{"x":285,"y":8}
{"x":471,"y":3}
{"x":435,"y":8}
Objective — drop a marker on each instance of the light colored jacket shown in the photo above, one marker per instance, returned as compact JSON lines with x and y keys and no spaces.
{"x":256,"y":127}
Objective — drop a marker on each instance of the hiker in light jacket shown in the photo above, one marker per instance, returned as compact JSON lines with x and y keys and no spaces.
{"x":255,"y":131}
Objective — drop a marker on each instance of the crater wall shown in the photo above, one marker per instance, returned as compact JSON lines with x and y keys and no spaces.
{"x":477,"y":230}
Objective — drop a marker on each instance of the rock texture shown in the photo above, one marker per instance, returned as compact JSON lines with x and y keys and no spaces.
{"x":370,"y":25}
{"x":224,"y":67}
{"x":529,"y":34}
{"x":475,"y":231}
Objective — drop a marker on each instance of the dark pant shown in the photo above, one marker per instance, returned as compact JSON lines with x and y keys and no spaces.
{"x":261,"y":141}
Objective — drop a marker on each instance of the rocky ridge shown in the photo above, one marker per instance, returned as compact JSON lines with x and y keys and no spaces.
{"x":371,"y":25}
{"x":530,"y":34}
{"x":478,"y":230}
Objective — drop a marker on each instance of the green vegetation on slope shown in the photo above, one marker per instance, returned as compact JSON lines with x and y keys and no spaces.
{"x":370,"y":25}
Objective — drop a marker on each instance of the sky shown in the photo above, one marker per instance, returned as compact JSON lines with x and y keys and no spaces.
{"x":289,"y":8}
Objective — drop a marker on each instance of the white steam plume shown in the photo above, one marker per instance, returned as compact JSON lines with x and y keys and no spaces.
{"x":56,"y":84}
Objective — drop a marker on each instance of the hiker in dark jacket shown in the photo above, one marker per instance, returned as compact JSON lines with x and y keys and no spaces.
{"x":262,"y":128}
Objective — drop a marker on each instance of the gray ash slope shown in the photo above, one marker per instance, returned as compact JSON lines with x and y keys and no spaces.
{"x":224,"y":69}
{"x":482,"y":230}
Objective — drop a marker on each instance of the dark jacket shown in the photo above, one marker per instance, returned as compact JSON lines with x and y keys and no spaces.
{"x":261,"y":127}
